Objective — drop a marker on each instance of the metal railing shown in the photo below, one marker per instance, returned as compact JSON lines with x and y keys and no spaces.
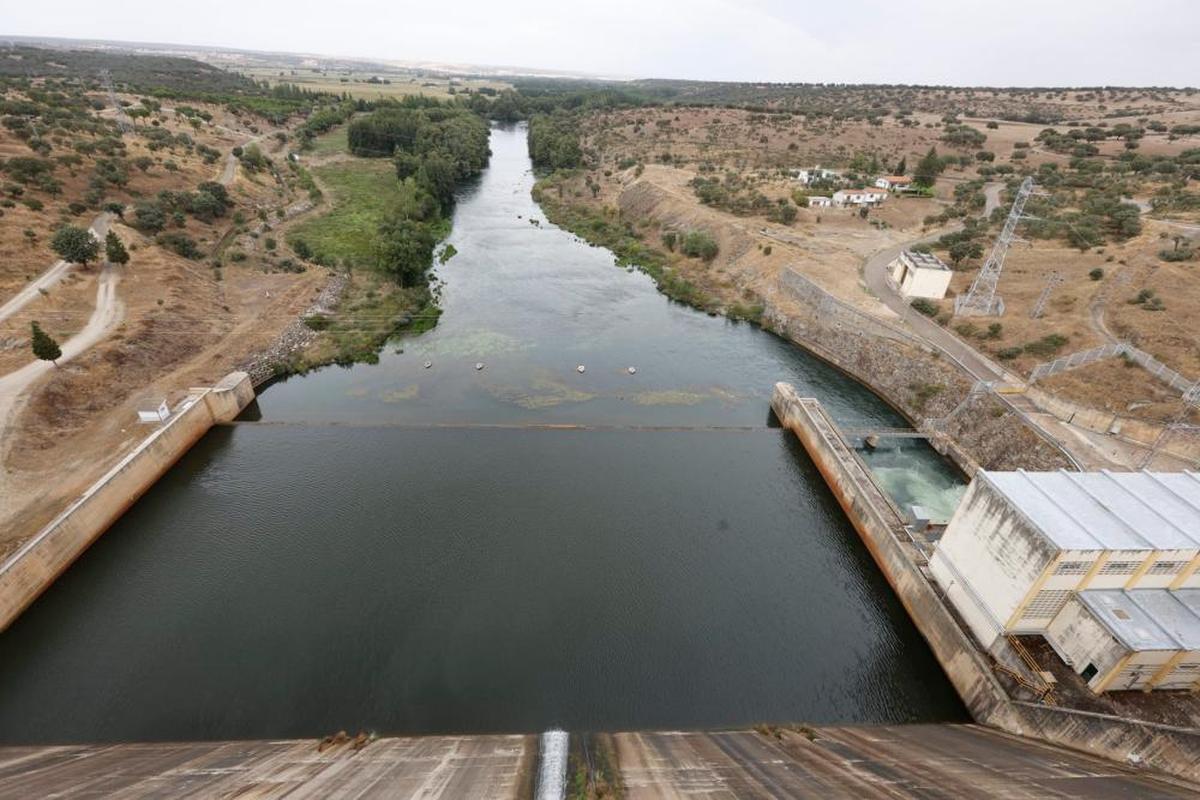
{"x":1143,"y":359}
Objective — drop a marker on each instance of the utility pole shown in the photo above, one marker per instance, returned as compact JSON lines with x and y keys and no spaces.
{"x":122,"y":118}
{"x":1191,"y":399}
{"x":981,"y":300}
{"x":1053,"y":281}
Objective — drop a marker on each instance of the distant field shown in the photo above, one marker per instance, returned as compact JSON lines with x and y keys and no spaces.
{"x":358,"y":87}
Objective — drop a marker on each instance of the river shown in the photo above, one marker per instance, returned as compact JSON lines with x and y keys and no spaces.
{"x":412,"y":549}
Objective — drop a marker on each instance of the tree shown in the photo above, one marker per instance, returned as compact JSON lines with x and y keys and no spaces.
{"x":960,"y":251}
{"x":114,"y":250}
{"x":928,"y":169}
{"x":902,"y":167}
{"x":44,"y":346}
{"x":405,"y":250}
{"x":75,"y":244}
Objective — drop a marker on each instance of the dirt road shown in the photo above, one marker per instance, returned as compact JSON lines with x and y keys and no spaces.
{"x":14,"y":387}
{"x":52,"y":276}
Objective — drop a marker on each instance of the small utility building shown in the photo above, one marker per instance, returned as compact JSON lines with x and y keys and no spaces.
{"x":1021,"y":544}
{"x":1118,"y":640}
{"x":918,"y":274}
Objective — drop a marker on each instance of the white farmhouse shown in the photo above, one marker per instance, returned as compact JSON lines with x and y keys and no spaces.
{"x":1021,"y":544}
{"x":808,"y":176}
{"x":819,"y":201}
{"x":894,"y":183}
{"x":918,"y":274}
{"x":859,"y":197}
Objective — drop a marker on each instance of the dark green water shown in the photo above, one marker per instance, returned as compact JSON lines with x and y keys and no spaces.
{"x":344,"y":563}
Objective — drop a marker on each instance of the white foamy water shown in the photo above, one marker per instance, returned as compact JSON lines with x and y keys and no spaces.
{"x":552,"y":774}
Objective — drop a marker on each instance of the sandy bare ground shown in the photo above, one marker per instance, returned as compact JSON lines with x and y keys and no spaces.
{"x":51,"y":277}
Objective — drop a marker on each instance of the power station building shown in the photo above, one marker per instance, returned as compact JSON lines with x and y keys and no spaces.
{"x":919,"y":274}
{"x":1023,"y":548}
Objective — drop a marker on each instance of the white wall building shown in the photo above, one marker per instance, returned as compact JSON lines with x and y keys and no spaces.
{"x":859,"y":197}
{"x":819,"y":201}
{"x":807,"y":176}
{"x":895,"y":183}
{"x":918,"y":274}
{"x":1021,"y":544}
{"x":1117,"y":640}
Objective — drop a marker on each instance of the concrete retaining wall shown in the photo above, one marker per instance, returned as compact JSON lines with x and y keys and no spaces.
{"x":920,"y":383}
{"x":1135,"y":430}
{"x":37,"y":563}
{"x":1172,"y":750}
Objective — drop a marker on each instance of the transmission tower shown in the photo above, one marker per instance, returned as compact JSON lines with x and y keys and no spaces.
{"x":981,"y":300}
{"x":1191,"y":399}
{"x":1053,"y":281}
{"x":122,"y":118}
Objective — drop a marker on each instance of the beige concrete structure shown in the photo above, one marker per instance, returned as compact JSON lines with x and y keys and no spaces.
{"x":37,"y":563}
{"x":918,"y":274}
{"x":1021,"y":543}
{"x":1117,"y":640}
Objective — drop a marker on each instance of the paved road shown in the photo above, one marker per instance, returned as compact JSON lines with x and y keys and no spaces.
{"x":869,"y":763}
{"x":52,"y":276}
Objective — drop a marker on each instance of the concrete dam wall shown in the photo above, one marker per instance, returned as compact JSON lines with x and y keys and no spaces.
{"x":35,"y":566}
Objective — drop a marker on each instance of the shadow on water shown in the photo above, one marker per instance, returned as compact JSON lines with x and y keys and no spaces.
{"x":295,"y":579}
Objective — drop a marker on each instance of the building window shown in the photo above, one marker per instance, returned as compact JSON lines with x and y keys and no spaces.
{"x":1119,"y":567}
{"x":1167,"y":567}
{"x":1072,"y":567}
{"x":1046,"y":604}
{"x":1089,"y":672}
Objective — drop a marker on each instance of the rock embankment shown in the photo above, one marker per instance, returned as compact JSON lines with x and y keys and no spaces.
{"x":264,"y":365}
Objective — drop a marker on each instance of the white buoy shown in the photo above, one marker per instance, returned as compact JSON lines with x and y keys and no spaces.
{"x":581,"y":369}
{"x":428,"y":364}
{"x":478,"y":365}
{"x":632,"y":370}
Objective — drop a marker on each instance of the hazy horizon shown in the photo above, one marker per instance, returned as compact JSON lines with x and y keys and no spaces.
{"x":1025,"y":43}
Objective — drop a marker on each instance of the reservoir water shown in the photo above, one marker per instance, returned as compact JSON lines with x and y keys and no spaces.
{"x":406,"y":549}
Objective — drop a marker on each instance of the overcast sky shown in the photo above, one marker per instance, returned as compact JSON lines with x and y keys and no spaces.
{"x":963,"y":42}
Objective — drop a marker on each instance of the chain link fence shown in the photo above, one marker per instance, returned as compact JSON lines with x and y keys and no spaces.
{"x":1123,"y":350}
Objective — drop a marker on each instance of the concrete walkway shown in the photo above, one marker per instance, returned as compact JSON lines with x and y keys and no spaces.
{"x":836,"y":763}
{"x":866,"y":763}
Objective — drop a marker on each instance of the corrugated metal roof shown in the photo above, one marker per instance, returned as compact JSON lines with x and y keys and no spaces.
{"x":1107,"y":510}
{"x":1127,"y":621}
{"x":1171,"y":614}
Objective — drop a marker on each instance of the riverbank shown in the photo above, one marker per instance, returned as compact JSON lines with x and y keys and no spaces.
{"x":920,"y":382}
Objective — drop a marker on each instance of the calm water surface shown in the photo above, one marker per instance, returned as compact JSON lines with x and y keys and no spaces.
{"x":358,"y":558}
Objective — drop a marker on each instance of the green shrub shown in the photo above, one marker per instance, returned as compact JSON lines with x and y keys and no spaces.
{"x":1046,"y":346}
{"x":926,"y":307}
{"x":699,"y":244}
